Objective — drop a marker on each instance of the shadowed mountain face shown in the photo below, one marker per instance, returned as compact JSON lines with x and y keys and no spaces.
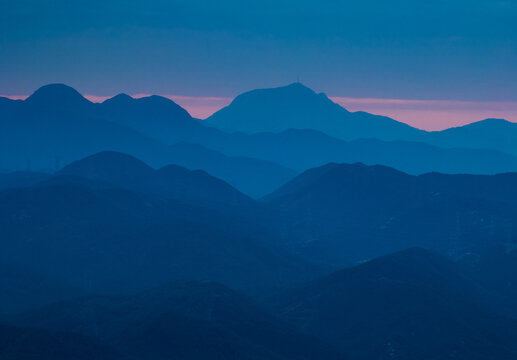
{"x":252,"y":176}
{"x":112,"y":223}
{"x":171,"y":181}
{"x":298,"y":107}
{"x":495,"y":269}
{"x":21,"y":179}
{"x":497,"y":134}
{"x":342,"y":212}
{"x":304,"y":149}
{"x":184,"y":320}
{"x":409,"y":305}
{"x":27,"y":344}
{"x":56,"y":125}
{"x":154,"y":116}
{"x":115,"y":226}
{"x":23,"y":288}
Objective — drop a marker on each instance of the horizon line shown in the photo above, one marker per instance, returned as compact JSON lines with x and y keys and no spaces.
{"x":425,"y":114}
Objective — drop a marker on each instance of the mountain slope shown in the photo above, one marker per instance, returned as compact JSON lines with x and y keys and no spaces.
{"x":56,"y":125}
{"x":497,"y":134}
{"x":297,"y":107}
{"x":171,"y":181}
{"x":342,"y":212}
{"x":102,"y":238}
{"x":304,"y":149}
{"x":26,"y":344}
{"x":251,"y":176}
{"x":409,"y":305}
{"x":23,"y":288}
{"x":183,"y":320}
{"x":155,"y":116}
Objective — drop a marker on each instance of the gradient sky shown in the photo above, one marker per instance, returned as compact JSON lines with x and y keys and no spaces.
{"x":456,"y":58}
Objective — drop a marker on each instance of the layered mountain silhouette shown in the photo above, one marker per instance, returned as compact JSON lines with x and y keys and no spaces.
{"x":409,"y":305}
{"x":21,"y":179}
{"x":56,"y":126}
{"x":154,"y":116}
{"x":106,"y":238}
{"x":171,"y":181}
{"x":26,"y":343}
{"x":493,"y":268}
{"x":23,"y":288}
{"x":183,"y":320}
{"x":295,"y":106}
{"x":342,"y":212}
{"x":304,"y":149}
{"x":498,"y":134}
{"x":126,"y":225}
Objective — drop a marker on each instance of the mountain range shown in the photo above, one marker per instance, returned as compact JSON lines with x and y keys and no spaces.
{"x":282,"y":227}
{"x":56,"y":126}
{"x":342,"y":212}
{"x":409,"y":305}
{"x":181,"y":320}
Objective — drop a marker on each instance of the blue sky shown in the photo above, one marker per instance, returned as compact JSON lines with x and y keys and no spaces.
{"x":435,"y":50}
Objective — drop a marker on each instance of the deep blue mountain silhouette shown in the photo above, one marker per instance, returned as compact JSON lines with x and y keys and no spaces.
{"x":154,"y":116}
{"x":45,"y":132}
{"x":183,"y":320}
{"x":171,"y":181}
{"x":23,"y":288}
{"x":21,"y":179}
{"x":304,"y":149}
{"x":56,"y":97}
{"x":104,"y":238}
{"x":296,"y":106}
{"x":409,"y":305}
{"x":498,"y":134}
{"x":57,"y":125}
{"x":494,"y":268}
{"x":342,"y":212}
{"x":26,"y":343}
{"x":252,"y":176}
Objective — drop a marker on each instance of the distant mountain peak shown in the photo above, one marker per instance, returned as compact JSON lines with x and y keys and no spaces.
{"x":113,"y":163}
{"x":295,"y":91}
{"x":121,"y":98}
{"x":296,"y":106}
{"x":490,"y":122}
{"x":57,"y":93}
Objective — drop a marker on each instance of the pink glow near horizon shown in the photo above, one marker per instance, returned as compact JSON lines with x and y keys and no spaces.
{"x":423,"y":114}
{"x":432,"y":114}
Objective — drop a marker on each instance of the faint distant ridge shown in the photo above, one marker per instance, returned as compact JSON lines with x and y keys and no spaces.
{"x":296,"y":106}
{"x":171,"y":181}
{"x":56,"y":125}
{"x":497,"y":134}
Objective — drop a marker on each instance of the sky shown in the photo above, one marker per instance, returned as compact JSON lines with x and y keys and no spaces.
{"x":433,"y":64}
